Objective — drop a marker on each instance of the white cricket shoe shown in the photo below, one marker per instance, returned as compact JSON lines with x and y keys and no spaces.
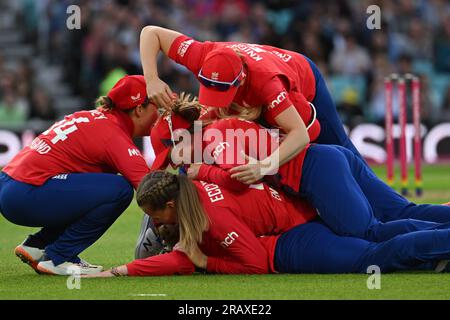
{"x":67,"y":268}
{"x":29,"y":255}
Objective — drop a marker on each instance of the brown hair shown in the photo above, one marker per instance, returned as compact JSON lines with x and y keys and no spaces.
{"x":104,"y":103}
{"x":187,"y":107}
{"x":159,"y":187}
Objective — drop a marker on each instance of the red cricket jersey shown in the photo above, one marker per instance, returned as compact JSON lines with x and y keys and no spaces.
{"x":277,"y":78}
{"x":242,"y":234}
{"x":86,"y":141}
{"x":237,"y":136}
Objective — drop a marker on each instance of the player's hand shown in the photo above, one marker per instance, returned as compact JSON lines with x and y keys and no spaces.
{"x":192,"y":171}
{"x":160,"y":93}
{"x":253,"y":171}
{"x":198,"y":258}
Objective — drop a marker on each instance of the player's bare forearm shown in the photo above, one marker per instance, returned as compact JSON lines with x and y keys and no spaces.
{"x":296,"y":138}
{"x":153,"y":40}
{"x":294,"y":142}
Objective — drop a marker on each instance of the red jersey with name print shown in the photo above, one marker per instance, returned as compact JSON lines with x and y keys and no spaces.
{"x":277,"y":78}
{"x":242,"y":235}
{"x":226,"y":140}
{"x":84,"y":142}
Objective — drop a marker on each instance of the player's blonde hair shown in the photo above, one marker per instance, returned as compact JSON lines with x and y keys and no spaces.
{"x":159,"y":187}
{"x":187,"y":107}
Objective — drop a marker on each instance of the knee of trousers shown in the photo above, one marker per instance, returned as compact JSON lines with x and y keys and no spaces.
{"x":124,"y":190}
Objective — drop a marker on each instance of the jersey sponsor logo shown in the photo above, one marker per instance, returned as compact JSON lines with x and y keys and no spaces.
{"x":279,"y":99}
{"x":213,"y":191}
{"x":219,"y":149}
{"x":228,"y":241}
{"x":134,"y":152}
{"x":183,"y":47}
{"x":136,"y":97}
{"x":40,"y":146}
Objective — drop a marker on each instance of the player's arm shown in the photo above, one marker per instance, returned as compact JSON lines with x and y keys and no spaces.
{"x":122,"y":155}
{"x":173,"y":263}
{"x":213,"y":174}
{"x":153,"y":40}
{"x":282,"y":110}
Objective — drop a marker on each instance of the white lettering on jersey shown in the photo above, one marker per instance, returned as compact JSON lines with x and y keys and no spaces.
{"x":219,"y":149}
{"x":61,"y":134}
{"x":279,"y":99}
{"x":250,"y":50}
{"x":98,"y":115}
{"x":183,"y":47}
{"x":283,"y":56}
{"x":134,"y":152}
{"x":213,"y":191}
{"x":61,"y":177}
{"x":229,"y":239}
{"x":275,"y":194}
{"x":40,"y":146}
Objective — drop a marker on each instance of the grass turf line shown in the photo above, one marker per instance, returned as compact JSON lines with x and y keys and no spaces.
{"x":18,"y":281}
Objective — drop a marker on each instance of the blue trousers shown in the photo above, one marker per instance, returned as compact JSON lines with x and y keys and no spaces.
{"x":314,"y":248}
{"x":331,"y":128}
{"x":73,"y":210}
{"x":332,"y":132}
{"x":349,"y":197}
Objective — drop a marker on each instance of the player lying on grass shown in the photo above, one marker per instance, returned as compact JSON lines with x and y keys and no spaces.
{"x":66,"y":183}
{"x":281,"y":85}
{"x":332,"y":178}
{"x":233,"y":233}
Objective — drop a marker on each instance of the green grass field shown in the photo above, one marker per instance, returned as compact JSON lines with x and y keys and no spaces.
{"x":18,"y":281}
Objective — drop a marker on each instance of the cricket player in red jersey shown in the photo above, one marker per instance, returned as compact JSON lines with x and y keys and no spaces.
{"x":285,"y":86}
{"x":348,"y":207}
{"x":220,"y":232}
{"x":66,"y":181}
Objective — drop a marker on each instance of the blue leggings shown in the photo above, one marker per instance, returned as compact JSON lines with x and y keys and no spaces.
{"x":73,"y":210}
{"x":314,"y":248}
{"x":332,"y":132}
{"x":349,"y":197}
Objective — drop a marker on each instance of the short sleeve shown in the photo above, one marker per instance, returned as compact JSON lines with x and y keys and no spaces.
{"x":275,"y":99}
{"x":189,"y":52}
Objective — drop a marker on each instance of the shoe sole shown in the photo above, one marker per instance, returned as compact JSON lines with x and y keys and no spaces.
{"x":26,"y":258}
{"x":42,"y":270}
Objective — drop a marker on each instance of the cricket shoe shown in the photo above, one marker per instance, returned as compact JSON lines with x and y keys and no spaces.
{"x":29,"y":255}
{"x":68,"y":268}
{"x":148,"y":243}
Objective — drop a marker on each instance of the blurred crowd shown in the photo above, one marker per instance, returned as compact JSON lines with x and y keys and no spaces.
{"x":414,"y":37}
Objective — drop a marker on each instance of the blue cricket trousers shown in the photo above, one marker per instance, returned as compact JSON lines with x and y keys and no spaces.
{"x":332,"y":132}
{"x":349,"y":197}
{"x":73,"y":210}
{"x":314,"y":248}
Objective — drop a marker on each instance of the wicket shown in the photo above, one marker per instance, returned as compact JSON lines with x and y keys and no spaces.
{"x":402,"y":81}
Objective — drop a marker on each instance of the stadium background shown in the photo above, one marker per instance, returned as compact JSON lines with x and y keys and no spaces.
{"x":47,"y":71}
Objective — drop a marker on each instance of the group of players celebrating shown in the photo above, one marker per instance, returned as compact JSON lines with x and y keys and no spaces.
{"x":287,"y":192}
